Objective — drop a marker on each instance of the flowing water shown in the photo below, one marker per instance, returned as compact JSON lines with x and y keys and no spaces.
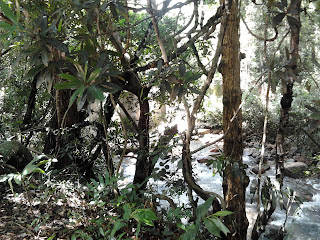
{"x":302,"y":224}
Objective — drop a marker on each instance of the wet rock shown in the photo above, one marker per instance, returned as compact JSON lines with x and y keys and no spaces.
{"x":295,"y":169}
{"x":251,"y":152}
{"x":290,"y":160}
{"x":272,"y":232}
{"x":263,"y":169}
{"x":203,"y":131}
{"x":204,"y":159}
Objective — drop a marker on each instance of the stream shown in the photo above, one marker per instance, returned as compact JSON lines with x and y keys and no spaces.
{"x":302,"y":224}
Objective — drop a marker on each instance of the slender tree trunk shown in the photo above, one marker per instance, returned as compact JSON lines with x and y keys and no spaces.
{"x":234,"y":177}
{"x":143,"y":162}
{"x":31,"y":100}
{"x":287,"y":89}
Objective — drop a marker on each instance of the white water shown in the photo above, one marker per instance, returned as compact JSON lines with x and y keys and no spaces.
{"x":303,"y":225}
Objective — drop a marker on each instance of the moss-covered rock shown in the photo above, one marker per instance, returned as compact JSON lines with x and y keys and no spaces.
{"x":15,"y":154}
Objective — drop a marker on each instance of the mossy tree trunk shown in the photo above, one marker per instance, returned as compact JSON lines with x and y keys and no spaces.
{"x":234,"y":177}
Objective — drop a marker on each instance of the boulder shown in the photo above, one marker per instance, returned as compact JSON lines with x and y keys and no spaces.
{"x":204,"y":159}
{"x":15,"y":154}
{"x":295,"y":169}
{"x":203,"y":131}
{"x":263,"y":169}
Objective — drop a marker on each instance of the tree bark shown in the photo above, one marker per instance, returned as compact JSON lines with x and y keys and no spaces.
{"x":31,"y":101}
{"x":143,"y":162}
{"x":234,"y":177}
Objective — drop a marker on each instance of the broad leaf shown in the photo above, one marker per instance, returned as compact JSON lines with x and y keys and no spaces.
{"x":67,"y":85}
{"x":95,"y":93}
{"x":94,"y":75}
{"x":33,"y":71}
{"x":278,"y":19}
{"x":193,"y":77}
{"x":144,"y":216}
{"x":69,"y":77}
{"x":117,"y":226}
{"x":77,"y":94}
{"x":222,"y":213}
{"x":44,"y":57}
{"x":110,"y":87}
{"x":58,"y":44}
{"x":8,"y":12}
{"x":212,"y":228}
{"x":202,"y":210}
{"x":6,"y":26}
{"x":194,"y":90}
{"x":220,"y":225}
{"x":191,"y":233}
{"x":293,"y":23}
{"x":182,"y":70}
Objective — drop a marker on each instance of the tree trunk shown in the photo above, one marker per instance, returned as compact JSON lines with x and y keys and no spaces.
{"x":234,"y":177}
{"x":143,"y":162}
{"x":287,"y":89}
{"x":31,"y":101}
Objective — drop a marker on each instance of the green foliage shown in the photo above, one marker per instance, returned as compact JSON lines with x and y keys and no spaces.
{"x":212,"y":222}
{"x":23,"y":178}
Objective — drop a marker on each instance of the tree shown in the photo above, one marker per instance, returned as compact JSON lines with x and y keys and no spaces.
{"x":235,"y":180}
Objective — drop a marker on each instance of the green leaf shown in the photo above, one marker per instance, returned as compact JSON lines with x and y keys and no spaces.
{"x":127,"y":211}
{"x":144,"y":216}
{"x":193,"y":77}
{"x":110,"y":87}
{"x":278,"y":19}
{"x":202,"y":210}
{"x":58,"y":44}
{"x":159,"y":65}
{"x":80,"y":70}
{"x":86,"y":65}
{"x":114,"y":12}
{"x":44,"y":57}
{"x":220,"y":225}
{"x":194,"y":90}
{"x":8,"y":12}
{"x":69,"y":77}
{"x":182,"y":70}
{"x":68,"y":85}
{"x":28,"y":169}
{"x":212,"y":228}
{"x":6,"y":26}
{"x":60,"y":25}
{"x":52,"y":237}
{"x":117,"y":226}
{"x":95,"y":93}
{"x":293,"y":23}
{"x":33,"y":71}
{"x":191,"y":233}
{"x":222,"y":213}
{"x":94,"y":75}
{"x":77,"y":94}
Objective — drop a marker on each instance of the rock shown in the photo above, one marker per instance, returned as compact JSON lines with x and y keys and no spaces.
{"x":204,"y":159}
{"x":203,"y":131}
{"x":290,"y":160}
{"x":263,"y":169}
{"x":248,"y":151}
{"x":15,"y":154}
{"x":295,"y":169}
